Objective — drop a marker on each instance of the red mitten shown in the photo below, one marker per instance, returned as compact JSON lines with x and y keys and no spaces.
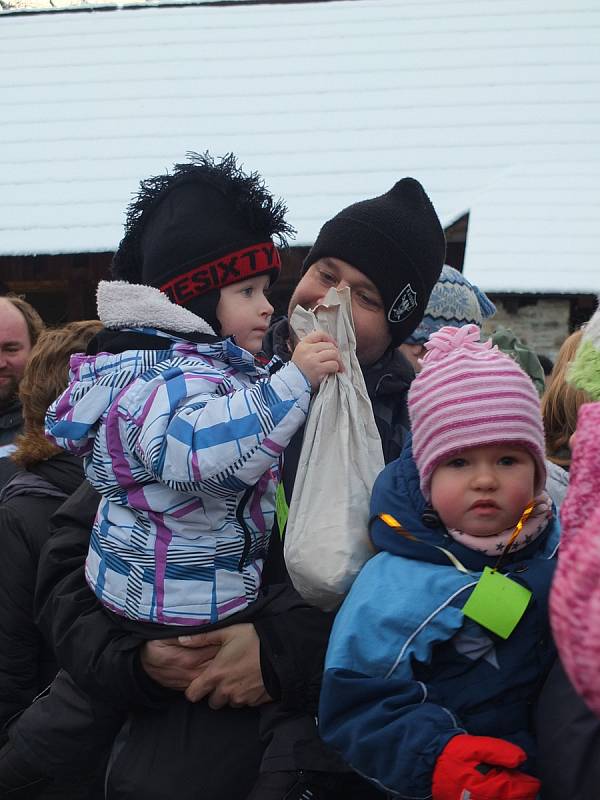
{"x":482,"y":768}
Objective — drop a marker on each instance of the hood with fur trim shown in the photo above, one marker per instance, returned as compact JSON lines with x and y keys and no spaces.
{"x":132,"y":305}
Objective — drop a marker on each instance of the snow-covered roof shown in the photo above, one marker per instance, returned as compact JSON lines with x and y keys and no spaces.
{"x":539,"y":224}
{"x":495,"y":107}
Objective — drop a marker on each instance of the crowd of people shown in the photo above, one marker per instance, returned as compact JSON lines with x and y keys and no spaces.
{"x":152,"y":643}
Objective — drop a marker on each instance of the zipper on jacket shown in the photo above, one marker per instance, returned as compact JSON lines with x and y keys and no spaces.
{"x":247,"y":535}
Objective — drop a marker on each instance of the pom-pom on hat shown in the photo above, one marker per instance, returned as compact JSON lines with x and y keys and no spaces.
{"x":584,"y":373}
{"x":397,"y":241}
{"x":205,"y":226}
{"x":470,"y":394}
{"x":454,"y":301}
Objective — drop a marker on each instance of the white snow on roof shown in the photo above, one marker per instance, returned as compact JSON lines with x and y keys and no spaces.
{"x":331,"y":102}
{"x":537,"y":225}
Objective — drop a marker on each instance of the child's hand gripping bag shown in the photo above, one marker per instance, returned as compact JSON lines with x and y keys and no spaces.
{"x":327,"y":540}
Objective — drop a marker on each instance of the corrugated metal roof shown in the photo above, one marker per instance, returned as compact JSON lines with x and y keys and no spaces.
{"x":331,"y":102}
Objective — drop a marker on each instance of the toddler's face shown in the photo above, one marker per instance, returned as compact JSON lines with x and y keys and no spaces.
{"x":245,"y":313}
{"x":483,"y":490}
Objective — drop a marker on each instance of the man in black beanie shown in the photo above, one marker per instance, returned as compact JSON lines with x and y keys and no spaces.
{"x":395,"y":259}
{"x":390,"y":251}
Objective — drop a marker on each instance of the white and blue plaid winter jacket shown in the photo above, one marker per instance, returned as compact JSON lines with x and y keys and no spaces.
{"x":183,"y":444}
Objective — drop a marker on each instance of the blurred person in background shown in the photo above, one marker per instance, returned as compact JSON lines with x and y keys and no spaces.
{"x":20,"y":326}
{"x":568,"y":711}
{"x":560,"y":405}
{"x":45,"y":477}
{"x":454,"y":301}
{"x":547,"y":366}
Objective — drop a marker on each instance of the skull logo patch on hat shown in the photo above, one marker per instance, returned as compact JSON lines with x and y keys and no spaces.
{"x":403,"y":305}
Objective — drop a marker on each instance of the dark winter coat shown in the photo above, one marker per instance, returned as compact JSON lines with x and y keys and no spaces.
{"x":11,"y":424}
{"x":27,"y":502}
{"x":568,"y":736}
{"x":27,"y":662}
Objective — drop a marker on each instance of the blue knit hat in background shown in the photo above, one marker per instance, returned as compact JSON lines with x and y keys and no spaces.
{"x":454,"y":301}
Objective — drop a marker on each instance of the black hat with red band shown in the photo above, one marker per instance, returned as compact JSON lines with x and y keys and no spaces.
{"x":205,"y":226}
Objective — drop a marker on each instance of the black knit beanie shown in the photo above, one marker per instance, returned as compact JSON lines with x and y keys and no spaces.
{"x":203,"y":227}
{"x":397,"y":241}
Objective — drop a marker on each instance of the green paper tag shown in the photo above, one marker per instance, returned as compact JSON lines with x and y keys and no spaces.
{"x":281,"y":508}
{"x":497,"y":603}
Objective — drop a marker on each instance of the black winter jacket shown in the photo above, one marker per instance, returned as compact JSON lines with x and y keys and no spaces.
{"x":568,"y":737}
{"x":27,"y":502}
{"x":11,"y":424}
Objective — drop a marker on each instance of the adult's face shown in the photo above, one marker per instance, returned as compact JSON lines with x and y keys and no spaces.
{"x":412,"y":353}
{"x":372,"y":335}
{"x":15,"y":347}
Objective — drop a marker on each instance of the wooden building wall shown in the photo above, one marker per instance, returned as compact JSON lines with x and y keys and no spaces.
{"x":63,"y":288}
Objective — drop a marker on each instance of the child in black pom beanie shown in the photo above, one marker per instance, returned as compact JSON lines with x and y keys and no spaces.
{"x":181,"y":433}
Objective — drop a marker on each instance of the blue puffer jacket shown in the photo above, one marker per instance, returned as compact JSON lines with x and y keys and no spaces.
{"x":406,"y":670}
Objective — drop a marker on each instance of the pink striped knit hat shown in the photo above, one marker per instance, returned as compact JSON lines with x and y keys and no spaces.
{"x":468,"y":394}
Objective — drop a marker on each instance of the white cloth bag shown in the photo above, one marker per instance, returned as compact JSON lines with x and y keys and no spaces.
{"x":327,"y":541}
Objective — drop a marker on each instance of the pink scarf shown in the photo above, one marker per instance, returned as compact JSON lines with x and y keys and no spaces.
{"x":494,"y":544}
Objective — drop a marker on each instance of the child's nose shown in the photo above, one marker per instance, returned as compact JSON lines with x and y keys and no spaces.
{"x":485,"y":479}
{"x":267,"y":308}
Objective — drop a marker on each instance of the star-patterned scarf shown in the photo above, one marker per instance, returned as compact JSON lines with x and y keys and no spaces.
{"x":495,"y":543}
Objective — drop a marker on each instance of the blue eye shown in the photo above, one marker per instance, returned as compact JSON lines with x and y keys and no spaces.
{"x":457,"y":463}
{"x":507,"y":461}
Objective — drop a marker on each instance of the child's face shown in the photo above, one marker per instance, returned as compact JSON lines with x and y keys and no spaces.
{"x":483,"y":490}
{"x":245,"y":313}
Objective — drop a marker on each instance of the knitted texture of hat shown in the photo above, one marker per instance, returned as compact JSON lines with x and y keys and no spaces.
{"x":585,"y":370}
{"x":469,"y":394}
{"x":396,"y":240}
{"x":575,"y":595}
{"x":454,"y":301}
{"x":203,"y":226}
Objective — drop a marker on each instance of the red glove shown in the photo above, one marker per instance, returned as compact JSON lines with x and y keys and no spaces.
{"x":482,"y":768}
